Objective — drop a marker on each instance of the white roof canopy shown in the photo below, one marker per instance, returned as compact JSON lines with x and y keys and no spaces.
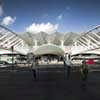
{"x":4,"y":51}
{"x":49,"y":49}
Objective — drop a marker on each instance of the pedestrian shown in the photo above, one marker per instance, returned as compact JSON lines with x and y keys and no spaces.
{"x":67,"y":65}
{"x":84,"y":70}
{"x":34,"y":73}
{"x":68,"y":71}
{"x":33,"y":68}
{"x":84,"y":74}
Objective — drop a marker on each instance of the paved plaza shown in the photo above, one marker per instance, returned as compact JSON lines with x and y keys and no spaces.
{"x":50,"y":85}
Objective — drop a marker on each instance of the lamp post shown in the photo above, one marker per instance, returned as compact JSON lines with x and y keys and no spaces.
{"x":12,"y":49}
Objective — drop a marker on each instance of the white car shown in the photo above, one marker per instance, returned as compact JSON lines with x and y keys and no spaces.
{"x":4,"y":64}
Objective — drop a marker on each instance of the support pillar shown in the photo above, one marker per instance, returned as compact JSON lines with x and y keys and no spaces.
{"x":62,"y":44}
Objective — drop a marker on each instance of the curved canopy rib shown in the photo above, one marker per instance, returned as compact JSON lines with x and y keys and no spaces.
{"x":49,"y":49}
{"x":9,"y":38}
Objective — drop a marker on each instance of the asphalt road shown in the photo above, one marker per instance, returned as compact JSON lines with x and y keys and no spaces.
{"x":50,"y":85}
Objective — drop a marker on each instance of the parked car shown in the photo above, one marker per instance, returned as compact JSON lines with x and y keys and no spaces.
{"x":4,"y":64}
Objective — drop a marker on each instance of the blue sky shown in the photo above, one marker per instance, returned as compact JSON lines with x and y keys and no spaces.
{"x":69,"y":15}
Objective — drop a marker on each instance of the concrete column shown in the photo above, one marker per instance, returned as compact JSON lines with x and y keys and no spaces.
{"x":75,"y":44}
{"x":62,"y":43}
{"x":35,"y":45}
{"x":35,"y":41}
{"x":49,"y":42}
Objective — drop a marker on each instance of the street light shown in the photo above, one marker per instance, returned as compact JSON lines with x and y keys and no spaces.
{"x":12,"y":49}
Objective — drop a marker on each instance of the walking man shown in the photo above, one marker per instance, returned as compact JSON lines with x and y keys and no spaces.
{"x":67,"y":65}
{"x":33,"y":68}
{"x":84,"y":70}
{"x":84,"y":75}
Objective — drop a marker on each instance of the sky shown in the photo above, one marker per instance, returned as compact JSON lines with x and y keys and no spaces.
{"x":50,"y":15}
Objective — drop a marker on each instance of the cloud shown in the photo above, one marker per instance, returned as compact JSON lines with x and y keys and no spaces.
{"x":48,"y":28}
{"x":60,"y":17}
{"x":8,"y":20}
